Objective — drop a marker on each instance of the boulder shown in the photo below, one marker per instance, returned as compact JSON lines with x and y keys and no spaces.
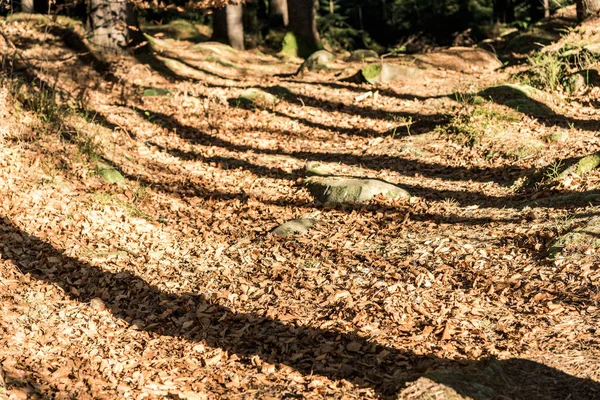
{"x":522,"y":98}
{"x":109,"y":173}
{"x":340,"y":189}
{"x":578,"y":240}
{"x":461,"y":59}
{"x":317,"y":61}
{"x":579,"y":80}
{"x":361,"y":55}
{"x":294,"y":226}
{"x":254,"y":97}
{"x":581,"y":167}
{"x":386,"y":73}
{"x":558,"y":136}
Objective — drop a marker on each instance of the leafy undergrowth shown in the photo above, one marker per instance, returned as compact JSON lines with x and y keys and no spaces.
{"x":171,"y":284}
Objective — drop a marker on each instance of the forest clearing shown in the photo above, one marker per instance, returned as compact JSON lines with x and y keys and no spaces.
{"x":169,"y":226}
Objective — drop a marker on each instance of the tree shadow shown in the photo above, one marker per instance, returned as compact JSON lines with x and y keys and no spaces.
{"x":405,"y":166}
{"x":330,"y":353}
{"x":520,"y":100}
{"x":421,"y":124}
{"x":362,"y":88}
{"x":230,"y":163}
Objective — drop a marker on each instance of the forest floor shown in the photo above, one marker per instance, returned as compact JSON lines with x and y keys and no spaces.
{"x":171,"y":284}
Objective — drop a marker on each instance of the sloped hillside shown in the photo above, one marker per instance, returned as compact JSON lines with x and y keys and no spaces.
{"x":138,"y":203}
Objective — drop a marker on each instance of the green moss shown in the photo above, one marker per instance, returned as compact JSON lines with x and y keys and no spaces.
{"x":157,"y":92}
{"x":588,"y":163}
{"x":578,"y":240}
{"x":109,"y":174}
{"x":371,"y":71}
{"x":289,"y":45}
{"x":297,"y":46}
{"x":131,"y":209}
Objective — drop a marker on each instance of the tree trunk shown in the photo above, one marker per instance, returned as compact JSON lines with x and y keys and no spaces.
{"x":546,"y":8}
{"x":504,"y":11}
{"x":586,"y":8}
{"x":27,"y":6}
{"x":278,"y":13}
{"x":112,"y":25}
{"x":34,"y":6}
{"x":303,"y":24}
{"x":539,"y":9}
{"x":228,"y":26}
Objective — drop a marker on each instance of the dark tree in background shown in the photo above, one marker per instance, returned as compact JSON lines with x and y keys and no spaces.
{"x":278,"y":13}
{"x":113,"y":25}
{"x":302,"y":16}
{"x":587,"y":8}
{"x":504,"y":11}
{"x":227,"y":25}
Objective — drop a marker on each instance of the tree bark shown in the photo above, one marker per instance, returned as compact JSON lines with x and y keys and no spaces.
{"x":228,"y":26}
{"x":303,"y":24}
{"x":112,"y":25}
{"x":27,"y":6}
{"x":278,"y":13}
{"x":546,"y":8}
{"x":587,"y":8}
{"x":504,"y":11}
{"x":34,"y":6}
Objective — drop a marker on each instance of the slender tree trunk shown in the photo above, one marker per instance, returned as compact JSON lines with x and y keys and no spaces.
{"x":112,"y":25}
{"x":504,"y":11}
{"x":303,"y":24}
{"x":34,"y":6}
{"x":546,"y":8}
{"x":586,"y":8}
{"x":27,"y":6}
{"x":278,"y":13}
{"x":228,"y":26}
{"x":539,"y":9}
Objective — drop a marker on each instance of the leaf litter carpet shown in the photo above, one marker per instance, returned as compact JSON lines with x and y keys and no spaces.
{"x":171,"y":286}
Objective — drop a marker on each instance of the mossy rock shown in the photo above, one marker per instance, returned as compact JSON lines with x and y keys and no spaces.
{"x":362,"y":55}
{"x":109,"y":173}
{"x":578,"y":240}
{"x":386,"y":73}
{"x":340,"y":189}
{"x":294,"y":226}
{"x":579,"y":80}
{"x":558,"y":136}
{"x":522,"y":98}
{"x":279,"y":91}
{"x":317,"y":61}
{"x":254,"y":97}
{"x":460,"y":59}
{"x":318,"y":169}
{"x":150,"y":92}
{"x":529,"y":107}
{"x":297,"y":46}
{"x":582,"y":167}
{"x":509,"y":91}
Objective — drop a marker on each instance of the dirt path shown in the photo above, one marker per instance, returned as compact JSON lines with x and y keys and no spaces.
{"x":170,"y":285}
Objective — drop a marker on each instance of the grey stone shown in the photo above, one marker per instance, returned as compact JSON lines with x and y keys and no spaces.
{"x":340,"y":189}
{"x":386,"y":73}
{"x":579,"y":239}
{"x":294,"y":226}
{"x":362,"y":55}
{"x":109,"y":174}
{"x":254,"y":97}
{"x":317,"y":60}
